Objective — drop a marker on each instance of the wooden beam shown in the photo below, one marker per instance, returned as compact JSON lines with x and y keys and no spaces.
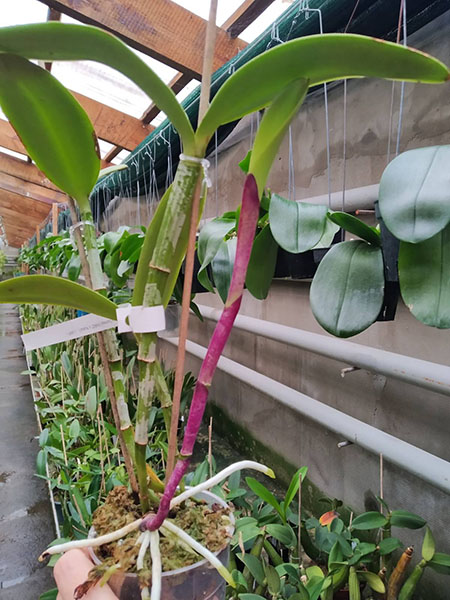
{"x":21,"y":216}
{"x":244,"y":16}
{"x":8,"y":183}
{"x":9,"y":138}
{"x":26,"y":171}
{"x":112,"y":125}
{"x":112,"y":153}
{"x":160,"y":28}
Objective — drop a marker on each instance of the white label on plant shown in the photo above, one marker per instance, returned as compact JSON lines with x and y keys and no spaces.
{"x":69,"y":330}
{"x":141,"y":319}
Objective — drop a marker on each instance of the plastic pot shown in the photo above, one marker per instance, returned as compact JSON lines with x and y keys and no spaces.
{"x":199,"y":581}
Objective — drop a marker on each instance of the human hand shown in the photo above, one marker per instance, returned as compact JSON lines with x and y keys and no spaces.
{"x":71,"y":570}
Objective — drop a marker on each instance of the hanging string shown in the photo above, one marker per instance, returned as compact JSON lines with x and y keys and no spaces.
{"x":402,"y":86}
{"x":305,"y":8}
{"x":344,"y":132}
{"x":216,"y":174}
{"x":291,"y":183}
{"x":391,"y":110}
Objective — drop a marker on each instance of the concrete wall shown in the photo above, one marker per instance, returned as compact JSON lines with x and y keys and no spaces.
{"x":414,"y":415}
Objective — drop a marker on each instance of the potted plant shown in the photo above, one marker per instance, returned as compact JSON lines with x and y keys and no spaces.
{"x":62,"y":142}
{"x":277,"y":553}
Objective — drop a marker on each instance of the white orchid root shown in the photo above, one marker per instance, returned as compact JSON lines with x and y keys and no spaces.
{"x":210,"y":557}
{"x":209,"y":483}
{"x":142,"y":550}
{"x":92,"y":542}
{"x":156,"y":566}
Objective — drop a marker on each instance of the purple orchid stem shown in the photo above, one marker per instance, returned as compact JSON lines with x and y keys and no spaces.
{"x":246,"y":233}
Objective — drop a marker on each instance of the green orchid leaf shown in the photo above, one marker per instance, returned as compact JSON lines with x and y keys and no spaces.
{"x":209,"y":240}
{"x":53,"y":127}
{"x":261,"y":267}
{"x":294,"y":485}
{"x":404,"y":518}
{"x":369,"y":520}
{"x":41,"y":462}
{"x":414,"y":196}
{"x":317,"y":58}
{"x":45,"y":289}
{"x":74,"y":267}
{"x":347,"y":290}
{"x":440,"y":563}
{"x":62,"y":41}
{"x":273,"y":580}
{"x":428,"y":545}
{"x":262,"y":492}
{"x":272,"y":129}
{"x":388,"y":545}
{"x":245,"y":162}
{"x":222,"y":266}
{"x":296,"y":226}
{"x":424,"y":275}
{"x":354,"y":225}
{"x":374,"y":581}
{"x":254,"y":565}
{"x":282,"y":533}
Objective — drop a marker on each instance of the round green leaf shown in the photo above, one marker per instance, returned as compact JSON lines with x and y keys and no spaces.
{"x":424,"y":274}
{"x":369,"y":520}
{"x":91,"y":401}
{"x":53,"y":127}
{"x":347,"y":290}
{"x":404,"y":518}
{"x":261,"y":267}
{"x":74,"y":429}
{"x":296,"y":226}
{"x":414,"y":197}
{"x":222,"y":266}
{"x":356,"y":226}
{"x":209,"y":240}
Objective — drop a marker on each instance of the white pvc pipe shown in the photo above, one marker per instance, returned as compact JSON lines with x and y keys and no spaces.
{"x":355,"y":198}
{"x":427,"y":466}
{"x":425,"y":374}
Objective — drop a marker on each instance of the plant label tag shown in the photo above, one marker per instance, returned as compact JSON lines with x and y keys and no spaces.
{"x":69,"y":330}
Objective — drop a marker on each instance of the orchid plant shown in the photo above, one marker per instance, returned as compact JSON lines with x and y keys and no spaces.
{"x":60,"y":139}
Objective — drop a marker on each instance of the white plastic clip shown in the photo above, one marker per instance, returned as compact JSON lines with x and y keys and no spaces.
{"x":140,"y":319}
{"x":199,"y":161}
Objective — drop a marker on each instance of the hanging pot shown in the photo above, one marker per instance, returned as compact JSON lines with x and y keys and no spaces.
{"x":195,"y":582}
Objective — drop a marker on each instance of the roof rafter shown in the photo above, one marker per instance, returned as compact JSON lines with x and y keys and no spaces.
{"x":244,"y":15}
{"x":160,"y":28}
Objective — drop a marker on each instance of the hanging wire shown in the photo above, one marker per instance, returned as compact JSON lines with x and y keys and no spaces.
{"x":216,"y":174}
{"x":344,"y":132}
{"x":291,"y":167}
{"x":391,"y":110}
{"x":306,"y":9}
{"x":402,"y":87}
